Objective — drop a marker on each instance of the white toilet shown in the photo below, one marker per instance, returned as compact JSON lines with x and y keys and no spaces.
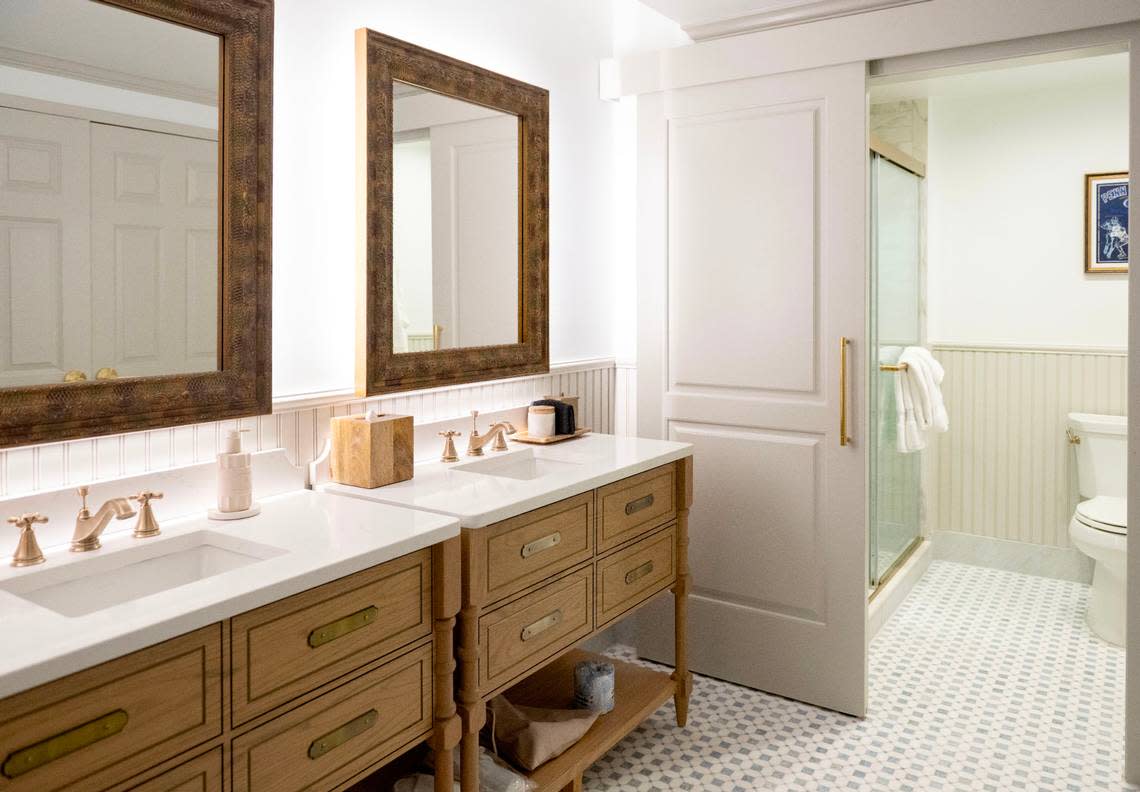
{"x":1099,"y":528}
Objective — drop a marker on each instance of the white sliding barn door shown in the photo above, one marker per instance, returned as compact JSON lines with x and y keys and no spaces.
{"x":45,"y":238}
{"x":753,"y":216}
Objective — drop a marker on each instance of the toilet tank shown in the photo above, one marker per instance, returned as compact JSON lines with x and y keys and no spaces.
{"x":1102,"y":454}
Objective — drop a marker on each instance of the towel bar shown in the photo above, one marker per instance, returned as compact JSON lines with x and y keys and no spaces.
{"x":888,"y":367}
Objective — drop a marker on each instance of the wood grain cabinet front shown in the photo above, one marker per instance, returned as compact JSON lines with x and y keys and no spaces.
{"x":632,"y":506}
{"x":334,"y":738}
{"x":101,"y":726}
{"x":535,"y":627}
{"x":524,"y":550}
{"x":201,"y":774}
{"x":294,"y":645}
{"x":634,"y":575}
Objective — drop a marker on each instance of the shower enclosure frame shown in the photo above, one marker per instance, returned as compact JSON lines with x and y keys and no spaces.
{"x":878,"y":573}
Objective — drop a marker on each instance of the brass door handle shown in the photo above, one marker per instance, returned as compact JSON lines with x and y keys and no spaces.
{"x":24,"y":760}
{"x":638,"y":573}
{"x":542,"y":625}
{"x":342,"y":627}
{"x":538,"y":545}
{"x":639,"y":504}
{"x":339,"y":736}
{"x":844,"y":438}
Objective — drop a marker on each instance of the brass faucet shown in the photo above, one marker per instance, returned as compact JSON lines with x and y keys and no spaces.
{"x":28,"y":551}
{"x":89,"y":527}
{"x":497,"y":432}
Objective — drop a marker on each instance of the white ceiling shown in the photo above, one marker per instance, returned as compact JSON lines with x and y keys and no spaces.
{"x":704,"y":19}
{"x":100,"y":43}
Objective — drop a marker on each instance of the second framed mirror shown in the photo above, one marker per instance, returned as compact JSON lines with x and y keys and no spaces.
{"x":452,"y":215}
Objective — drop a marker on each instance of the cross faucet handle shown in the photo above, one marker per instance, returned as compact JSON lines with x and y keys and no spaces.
{"x":27,"y":520}
{"x":449,"y":454}
{"x":145,"y":496}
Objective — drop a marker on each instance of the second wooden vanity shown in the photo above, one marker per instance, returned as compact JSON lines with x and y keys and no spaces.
{"x":537,"y":584}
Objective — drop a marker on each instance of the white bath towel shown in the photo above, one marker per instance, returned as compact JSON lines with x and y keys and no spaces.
{"x":918,"y":394}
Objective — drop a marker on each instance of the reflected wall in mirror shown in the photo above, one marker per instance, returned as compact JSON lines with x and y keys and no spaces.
{"x":124,"y":301}
{"x":455,"y":222}
{"x":108,"y":206}
{"x":452,"y":184}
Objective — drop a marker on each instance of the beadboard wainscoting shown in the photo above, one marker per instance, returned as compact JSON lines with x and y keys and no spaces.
{"x":299,"y":425}
{"x":1005,"y":470}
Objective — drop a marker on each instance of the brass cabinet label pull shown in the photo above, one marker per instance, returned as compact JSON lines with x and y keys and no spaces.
{"x":542,"y":625}
{"x":638,"y":573}
{"x":27,"y":759}
{"x":538,"y":545}
{"x":338,"y":737}
{"x":342,"y":627}
{"x":639,"y":504}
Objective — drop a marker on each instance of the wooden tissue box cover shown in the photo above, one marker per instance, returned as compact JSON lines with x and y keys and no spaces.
{"x":371,"y":453}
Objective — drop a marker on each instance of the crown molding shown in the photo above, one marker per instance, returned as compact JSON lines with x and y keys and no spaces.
{"x":795,"y":14}
{"x":61,"y":67}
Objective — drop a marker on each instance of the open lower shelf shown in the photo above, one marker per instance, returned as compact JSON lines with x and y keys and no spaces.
{"x":639,"y":692}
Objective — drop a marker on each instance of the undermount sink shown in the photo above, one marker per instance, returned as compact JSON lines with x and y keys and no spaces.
{"x":111,"y":578}
{"x":521,"y":465}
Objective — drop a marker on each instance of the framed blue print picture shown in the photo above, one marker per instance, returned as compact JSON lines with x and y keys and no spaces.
{"x":1106,"y":222}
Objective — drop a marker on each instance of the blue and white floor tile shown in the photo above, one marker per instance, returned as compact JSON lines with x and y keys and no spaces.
{"x":983,"y":680}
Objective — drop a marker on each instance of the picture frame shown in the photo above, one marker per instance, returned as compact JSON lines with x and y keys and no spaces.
{"x":1106,"y":223}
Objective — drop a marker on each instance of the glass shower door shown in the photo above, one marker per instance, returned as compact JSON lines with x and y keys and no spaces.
{"x":896,"y":203}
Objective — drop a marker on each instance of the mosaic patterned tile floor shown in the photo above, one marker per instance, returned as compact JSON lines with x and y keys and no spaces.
{"x":982,"y":680}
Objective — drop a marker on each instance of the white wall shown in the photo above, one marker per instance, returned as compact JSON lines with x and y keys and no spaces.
{"x":554,"y":44}
{"x":1006,"y":214}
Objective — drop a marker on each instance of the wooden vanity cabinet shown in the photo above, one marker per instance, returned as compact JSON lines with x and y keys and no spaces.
{"x":310,"y":693}
{"x":537,"y":584}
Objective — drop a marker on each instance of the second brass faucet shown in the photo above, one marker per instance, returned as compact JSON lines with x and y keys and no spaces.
{"x":498,"y":432}
{"x":89,"y":527}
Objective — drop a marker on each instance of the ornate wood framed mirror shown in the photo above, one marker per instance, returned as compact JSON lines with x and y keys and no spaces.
{"x":452,"y":220}
{"x":136,"y":142}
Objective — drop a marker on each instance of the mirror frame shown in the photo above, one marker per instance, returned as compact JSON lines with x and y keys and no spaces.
{"x":380,"y":60}
{"x":242,"y":384}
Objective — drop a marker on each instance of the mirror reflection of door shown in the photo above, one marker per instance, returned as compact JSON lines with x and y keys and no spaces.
{"x":109,"y":257}
{"x":455,"y":222}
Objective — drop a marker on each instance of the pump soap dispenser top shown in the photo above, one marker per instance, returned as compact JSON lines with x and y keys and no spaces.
{"x":235,"y":481}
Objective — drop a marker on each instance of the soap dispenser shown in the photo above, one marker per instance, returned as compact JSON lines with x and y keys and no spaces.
{"x":235,"y":481}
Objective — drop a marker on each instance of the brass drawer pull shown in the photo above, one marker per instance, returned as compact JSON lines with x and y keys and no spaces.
{"x":538,"y":545}
{"x":542,"y":625}
{"x":27,"y":759}
{"x":639,"y":504}
{"x":638,"y":573}
{"x":342,"y":627}
{"x":338,"y":737}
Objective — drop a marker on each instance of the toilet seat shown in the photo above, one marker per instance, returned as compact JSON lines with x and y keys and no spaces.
{"x":1104,"y":513}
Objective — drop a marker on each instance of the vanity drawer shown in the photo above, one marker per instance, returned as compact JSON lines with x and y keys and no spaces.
{"x":101,"y":726}
{"x":202,"y":774}
{"x":524,"y":633}
{"x":631,"y":576}
{"x":331,"y":739}
{"x":299,"y":643}
{"x":532,"y":547}
{"x":634,"y":505}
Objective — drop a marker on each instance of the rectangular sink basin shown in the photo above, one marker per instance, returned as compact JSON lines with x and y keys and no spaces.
{"x":520,"y":465}
{"x":113,"y":578}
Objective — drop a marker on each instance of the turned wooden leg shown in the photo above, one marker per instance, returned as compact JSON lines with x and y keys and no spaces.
{"x":446,"y":561}
{"x":471,"y":709}
{"x":682,"y":679}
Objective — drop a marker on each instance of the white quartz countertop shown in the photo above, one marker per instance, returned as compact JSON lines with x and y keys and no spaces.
{"x":299,"y":540}
{"x":481,"y":498}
